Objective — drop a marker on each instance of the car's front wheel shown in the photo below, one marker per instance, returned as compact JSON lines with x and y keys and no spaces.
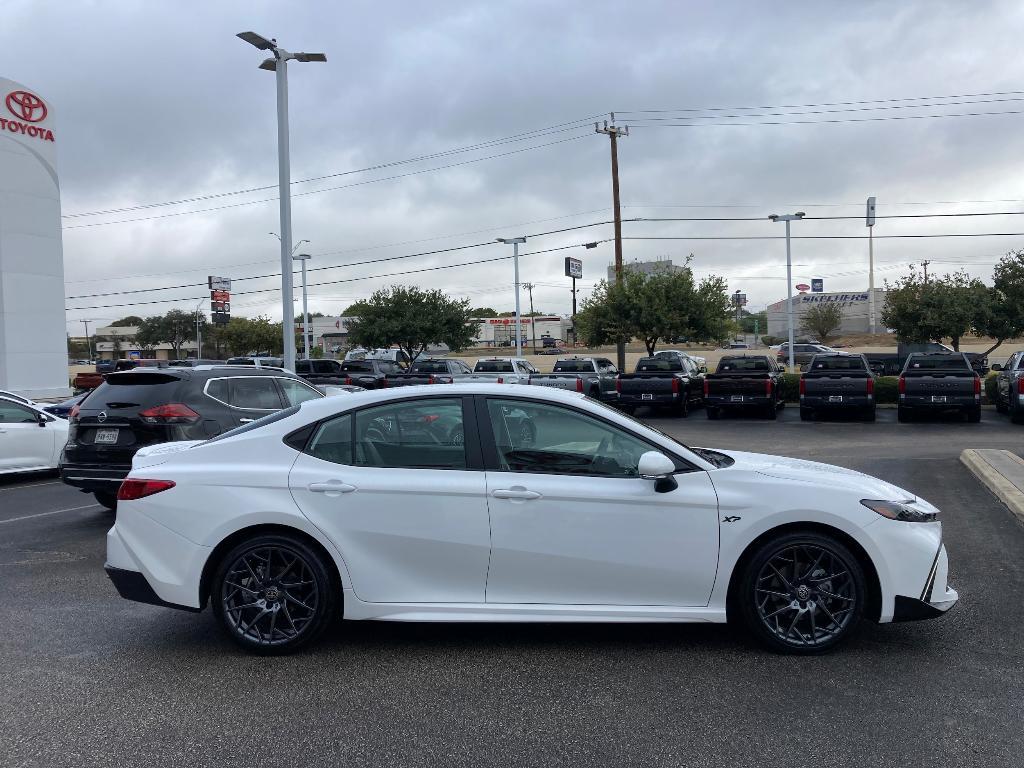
{"x":802,"y":593}
{"x":273,"y":594}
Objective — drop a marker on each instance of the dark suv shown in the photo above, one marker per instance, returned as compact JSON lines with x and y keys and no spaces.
{"x":142,"y":407}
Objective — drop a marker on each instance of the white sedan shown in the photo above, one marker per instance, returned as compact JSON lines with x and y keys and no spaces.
{"x":30,"y":438}
{"x":470,"y":503}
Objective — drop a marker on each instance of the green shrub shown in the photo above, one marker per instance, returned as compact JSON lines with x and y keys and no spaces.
{"x":990,"y":387}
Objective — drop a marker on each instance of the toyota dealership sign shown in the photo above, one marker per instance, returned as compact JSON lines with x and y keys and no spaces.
{"x":25,"y":111}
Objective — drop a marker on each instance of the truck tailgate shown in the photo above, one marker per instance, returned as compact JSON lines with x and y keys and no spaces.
{"x":835,"y":385}
{"x":570,"y":381}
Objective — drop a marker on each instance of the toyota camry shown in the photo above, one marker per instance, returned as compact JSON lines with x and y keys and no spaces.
{"x":469,"y":502}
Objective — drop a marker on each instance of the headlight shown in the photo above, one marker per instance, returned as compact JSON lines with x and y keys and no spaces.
{"x":900,"y":510}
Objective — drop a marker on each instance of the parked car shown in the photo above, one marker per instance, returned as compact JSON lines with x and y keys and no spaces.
{"x":836,"y":382}
{"x":30,"y":438}
{"x":17,"y":398}
{"x":257,"y":361}
{"x":63,"y":409}
{"x":87,"y":381}
{"x":593,"y":376}
{"x":670,"y":382}
{"x":369,"y":373}
{"x":397,"y":356}
{"x":551,"y":351}
{"x":1010,"y":387}
{"x":937,"y":382}
{"x":429,"y":371}
{"x":888,"y":364}
{"x":193,"y":362}
{"x":591,"y":516}
{"x":802,"y":353}
{"x":500,"y":370}
{"x":745,"y":383}
{"x":144,"y":407}
{"x":700,"y":362}
{"x":321,"y":372}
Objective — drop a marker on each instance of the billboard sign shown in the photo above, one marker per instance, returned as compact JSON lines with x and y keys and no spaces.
{"x":219,"y":283}
{"x":573,"y":268}
{"x":817,"y":285}
{"x":802,"y":287}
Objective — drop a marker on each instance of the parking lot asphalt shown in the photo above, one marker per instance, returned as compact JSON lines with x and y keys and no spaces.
{"x":90,"y":679}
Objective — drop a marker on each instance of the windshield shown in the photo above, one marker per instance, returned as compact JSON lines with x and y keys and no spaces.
{"x":644,"y":424}
{"x":938,"y":363}
{"x":743,"y":364}
{"x":659,"y":364}
{"x":838,"y":364}
{"x":430,"y":366}
{"x":493,"y":366}
{"x":574,"y":366}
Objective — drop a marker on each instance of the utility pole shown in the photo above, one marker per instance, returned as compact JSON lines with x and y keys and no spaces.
{"x":574,"y":335}
{"x":88,"y":341}
{"x":533,"y":323}
{"x":871,"y":264}
{"x":788,"y":217}
{"x":925,"y":264}
{"x":614,"y":133}
{"x":516,"y":242}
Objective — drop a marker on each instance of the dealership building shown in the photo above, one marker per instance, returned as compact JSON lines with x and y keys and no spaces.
{"x":853,"y":306}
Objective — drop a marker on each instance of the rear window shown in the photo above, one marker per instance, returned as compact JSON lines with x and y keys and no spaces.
{"x":131,"y":389}
{"x":574,"y":366}
{"x":430,"y":366}
{"x":357,"y":365}
{"x":838,"y":364}
{"x":241,"y":361}
{"x":493,"y":366}
{"x":659,"y":364}
{"x":938,"y":363}
{"x":742,"y":364}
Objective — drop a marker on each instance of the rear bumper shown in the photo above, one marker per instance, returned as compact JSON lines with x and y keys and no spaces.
{"x":656,"y":398}
{"x":94,"y":478}
{"x":726,"y":401}
{"x":924,"y":403}
{"x":132,"y":585}
{"x":821,"y":402}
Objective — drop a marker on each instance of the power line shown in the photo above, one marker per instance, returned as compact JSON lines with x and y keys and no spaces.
{"x":830,"y":120}
{"x":550,"y":130}
{"x":329,"y":189}
{"x":828,"y":237}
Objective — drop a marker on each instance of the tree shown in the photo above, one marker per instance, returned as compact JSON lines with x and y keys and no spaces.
{"x":131,"y":320}
{"x":483,"y":312}
{"x":1001,"y":316}
{"x":663,"y":305}
{"x":353,"y":309}
{"x":822,"y":319}
{"x":412,"y":318}
{"x":946,"y":307}
{"x":298,"y":317}
{"x":174,"y":328}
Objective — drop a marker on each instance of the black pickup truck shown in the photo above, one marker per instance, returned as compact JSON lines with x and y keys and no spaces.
{"x":939,"y":382}
{"x":745,"y":382}
{"x":369,"y":374}
{"x":430,"y":371}
{"x":662,"y":382}
{"x":836,"y":382}
{"x":887,"y":364}
{"x":321,"y":372}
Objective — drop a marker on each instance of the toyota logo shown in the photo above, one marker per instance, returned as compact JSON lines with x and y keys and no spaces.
{"x":26,"y":105}
{"x":101,"y":417}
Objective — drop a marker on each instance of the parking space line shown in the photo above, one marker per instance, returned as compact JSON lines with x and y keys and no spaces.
{"x":44,"y":514}
{"x":33,"y":485}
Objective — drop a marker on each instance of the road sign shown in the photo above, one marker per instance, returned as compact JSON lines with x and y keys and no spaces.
{"x":739,"y":299}
{"x":573,"y":268}
{"x":219,"y":283}
{"x":803,"y":287}
{"x":817,"y":285}
{"x":871,"y":212}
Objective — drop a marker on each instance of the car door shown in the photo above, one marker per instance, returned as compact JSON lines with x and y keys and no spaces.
{"x":1004,"y":379}
{"x":573,"y":523}
{"x":24,"y":443}
{"x":402,"y":495}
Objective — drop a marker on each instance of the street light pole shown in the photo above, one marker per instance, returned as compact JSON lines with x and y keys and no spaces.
{"x":871,"y":264}
{"x":304,"y":257}
{"x":88,"y":341}
{"x":199,"y":335}
{"x":279,"y":65}
{"x":515,"y":259}
{"x":789,"y":279}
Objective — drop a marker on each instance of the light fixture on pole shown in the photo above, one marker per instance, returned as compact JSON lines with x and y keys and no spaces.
{"x":871,"y":264}
{"x":304,"y":257}
{"x":515,"y":241}
{"x":788,"y":217}
{"x":199,"y":335}
{"x":279,"y":65}
{"x":88,"y":341}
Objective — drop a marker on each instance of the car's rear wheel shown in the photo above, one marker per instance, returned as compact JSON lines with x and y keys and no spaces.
{"x":869,"y":413}
{"x":107,"y":498}
{"x":802,"y":593}
{"x":974,"y":415}
{"x":1001,"y":407}
{"x":682,"y":409}
{"x":902,"y":415}
{"x":771,"y":411}
{"x":806,"y":414}
{"x":712,"y":413}
{"x":273,"y":594}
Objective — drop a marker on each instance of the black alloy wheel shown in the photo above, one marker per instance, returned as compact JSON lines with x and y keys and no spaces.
{"x":803,"y":593}
{"x":273,"y":594}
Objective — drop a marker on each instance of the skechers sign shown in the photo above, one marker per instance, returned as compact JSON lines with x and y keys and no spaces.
{"x":27,"y":110}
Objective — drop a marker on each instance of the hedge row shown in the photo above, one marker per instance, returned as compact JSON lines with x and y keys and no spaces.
{"x":886,"y":388}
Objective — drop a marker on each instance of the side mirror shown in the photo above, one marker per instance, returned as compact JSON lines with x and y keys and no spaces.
{"x":655,"y":465}
{"x":996,"y":367}
{"x":702,"y":369}
{"x":41,"y":419}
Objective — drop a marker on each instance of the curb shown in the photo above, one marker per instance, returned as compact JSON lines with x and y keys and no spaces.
{"x":994,"y":480}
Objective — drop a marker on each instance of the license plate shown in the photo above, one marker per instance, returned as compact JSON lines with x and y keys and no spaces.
{"x":938,"y":398}
{"x":835,"y":398}
{"x":647,"y":396}
{"x":737,"y":398}
{"x":105,"y":436}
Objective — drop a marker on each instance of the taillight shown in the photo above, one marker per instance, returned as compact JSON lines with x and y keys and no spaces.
{"x":383,"y":383}
{"x":618,"y":385}
{"x":1020,"y":387}
{"x":348,"y":380}
{"x":501,"y":379}
{"x":74,"y":412}
{"x":675,"y":386}
{"x":132,"y":489}
{"x":579,"y":384}
{"x":768,"y":386}
{"x":977,"y":385}
{"x":871,"y":385}
{"x":707,"y":387}
{"x":902,"y":385}
{"x":431,"y":380}
{"x":172,"y":413}
{"x":803,"y":387}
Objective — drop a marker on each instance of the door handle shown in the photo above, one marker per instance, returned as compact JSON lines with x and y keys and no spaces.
{"x":246,"y":421}
{"x":515,"y":493}
{"x":331,"y":487}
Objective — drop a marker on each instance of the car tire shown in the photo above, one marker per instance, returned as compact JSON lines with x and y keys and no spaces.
{"x":107,"y":499}
{"x":801,"y":593}
{"x":682,"y":408}
{"x":247,"y":594}
{"x":902,"y":415}
{"x":771,"y":412}
{"x":713,"y":413}
{"x":1015,"y":415}
{"x":1001,"y":407}
{"x":974,"y":415}
{"x":806,"y":414}
{"x":869,"y":414}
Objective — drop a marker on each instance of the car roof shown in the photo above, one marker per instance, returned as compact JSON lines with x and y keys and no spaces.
{"x":200,"y":371}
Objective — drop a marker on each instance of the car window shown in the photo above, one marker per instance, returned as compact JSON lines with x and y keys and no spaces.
{"x":357,"y":366}
{"x":255,"y":392}
{"x":296,"y":392}
{"x":303,"y":366}
{"x":333,"y":440}
{"x":574,"y":366}
{"x":838,"y":364}
{"x":550,"y":439}
{"x":494,"y":366}
{"x":13,"y":413}
{"x":424,"y":433}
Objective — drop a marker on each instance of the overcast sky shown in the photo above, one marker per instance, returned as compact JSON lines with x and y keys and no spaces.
{"x":159,"y":102}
